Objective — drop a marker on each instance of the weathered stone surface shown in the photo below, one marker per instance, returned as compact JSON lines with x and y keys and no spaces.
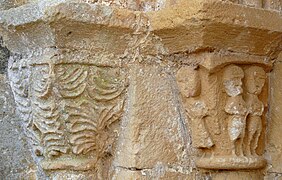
{"x":4,"y":55}
{"x":225,"y":110}
{"x":274,"y":127}
{"x":154,"y":132}
{"x":16,"y":160}
{"x":147,"y":89}
{"x":15,"y":157}
{"x":213,"y":26}
{"x":7,"y":4}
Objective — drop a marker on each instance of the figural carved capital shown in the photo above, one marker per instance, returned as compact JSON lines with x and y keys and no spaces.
{"x":71,"y":63}
{"x":226,"y":111}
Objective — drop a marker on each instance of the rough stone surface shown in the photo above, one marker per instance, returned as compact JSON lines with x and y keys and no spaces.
{"x":4,"y":55}
{"x":147,"y":89}
{"x":15,"y":157}
{"x":274,"y":128}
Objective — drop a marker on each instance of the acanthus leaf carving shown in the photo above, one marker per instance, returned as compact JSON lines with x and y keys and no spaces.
{"x":69,"y":108}
{"x":19,"y":75}
{"x":46,"y":116}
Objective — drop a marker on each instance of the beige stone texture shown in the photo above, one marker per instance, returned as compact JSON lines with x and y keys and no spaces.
{"x":147,"y":89}
{"x":152,"y":130}
{"x":274,"y":124}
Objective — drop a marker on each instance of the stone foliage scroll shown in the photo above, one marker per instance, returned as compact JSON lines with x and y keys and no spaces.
{"x":67,"y":109}
{"x":226,"y":114}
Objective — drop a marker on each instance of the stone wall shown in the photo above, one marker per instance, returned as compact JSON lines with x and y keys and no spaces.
{"x":16,"y":161}
{"x":170,"y":89}
{"x":274,"y":146}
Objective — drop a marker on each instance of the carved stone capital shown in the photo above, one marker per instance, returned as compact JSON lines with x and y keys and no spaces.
{"x":96,"y":83}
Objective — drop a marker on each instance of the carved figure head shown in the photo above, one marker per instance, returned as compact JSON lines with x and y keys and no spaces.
{"x":254,"y":79}
{"x":232,"y":80}
{"x":188,"y":81}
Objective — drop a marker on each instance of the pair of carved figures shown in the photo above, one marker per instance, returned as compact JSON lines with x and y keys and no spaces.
{"x":244,"y":115}
{"x":242,"y":110}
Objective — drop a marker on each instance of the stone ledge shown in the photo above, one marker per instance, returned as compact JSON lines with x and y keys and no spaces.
{"x":231,"y":163}
{"x":195,"y":25}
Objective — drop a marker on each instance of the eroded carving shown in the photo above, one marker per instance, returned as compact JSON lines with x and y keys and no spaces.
{"x":254,"y":82}
{"x":19,"y":75}
{"x":190,"y":85}
{"x":225,"y":113}
{"x":46,"y":121}
{"x":68,"y":109}
{"x":235,"y":107}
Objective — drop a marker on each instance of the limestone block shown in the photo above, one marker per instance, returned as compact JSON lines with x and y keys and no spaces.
{"x":274,"y":128}
{"x":144,"y":89}
{"x":220,"y":31}
{"x":16,"y":161}
{"x":153,"y":129}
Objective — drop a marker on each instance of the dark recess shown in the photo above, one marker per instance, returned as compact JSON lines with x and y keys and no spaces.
{"x":4,"y":56}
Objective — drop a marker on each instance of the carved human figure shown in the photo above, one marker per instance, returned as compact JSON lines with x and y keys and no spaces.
{"x":254,"y":82}
{"x":235,"y":107}
{"x":190,"y":87}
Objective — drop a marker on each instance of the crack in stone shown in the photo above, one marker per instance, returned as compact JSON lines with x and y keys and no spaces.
{"x":4,"y":55}
{"x":134,"y":168}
